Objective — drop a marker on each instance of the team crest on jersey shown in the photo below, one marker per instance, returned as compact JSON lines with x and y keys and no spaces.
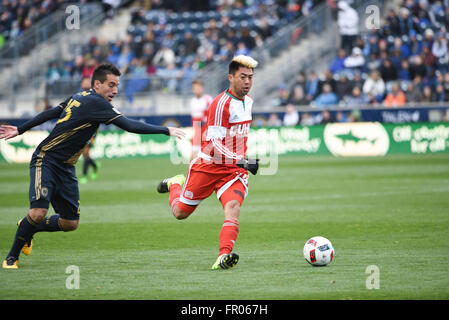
{"x":188,"y":194}
{"x":44,"y":192}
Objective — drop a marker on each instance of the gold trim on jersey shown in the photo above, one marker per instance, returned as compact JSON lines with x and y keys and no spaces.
{"x":63,"y":137}
{"x":38,"y":175}
{"x":110,"y":120}
{"x":73,"y":159}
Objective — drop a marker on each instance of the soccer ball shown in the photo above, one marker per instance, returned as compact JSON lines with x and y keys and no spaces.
{"x":318,"y":251}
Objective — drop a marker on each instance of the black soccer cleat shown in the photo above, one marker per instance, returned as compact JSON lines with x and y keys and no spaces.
{"x":164,"y":185}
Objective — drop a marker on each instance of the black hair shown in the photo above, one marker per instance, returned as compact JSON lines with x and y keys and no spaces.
{"x":234,"y":66}
{"x":102,"y":71}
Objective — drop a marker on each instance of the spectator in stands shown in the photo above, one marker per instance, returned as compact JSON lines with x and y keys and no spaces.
{"x":428,"y":59}
{"x":374,"y":86}
{"x":401,"y":47}
{"x":190,"y":44}
{"x":427,"y":95}
{"x":327,"y":98}
{"x":405,"y":21}
{"x":125,"y":58}
{"x":242,"y":49}
{"x":326,"y":117}
{"x":274,"y":121}
{"x":164,"y":57}
{"x":355,"y":60}
{"x":311,"y":86}
{"x":328,"y":78}
{"x":413,"y":43}
{"x":171,"y":74}
{"x":53,"y":73}
{"x":440,"y":51}
{"x":357,"y":80}
{"x":417,"y":67}
{"x":300,"y":80}
{"x":372,"y":45}
{"x":388,"y":72}
{"x":297,"y":96}
{"x":348,"y":23}
{"x":404,"y":71}
{"x":291,"y":116}
{"x":281,"y":98}
{"x":226,"y":52}
{"x":343,"y":86}
{"x":89,"y":67}
{"x":356,"y":99}
{"x":338,"y":64}
{"x":246,"y":38}
{"x":440,"y":94}
{"x":428,"y":38}
{"x":395,"y":98}
{"x":392,"y":21}
{"x":374,"y":62}
{"x":306,"y":119}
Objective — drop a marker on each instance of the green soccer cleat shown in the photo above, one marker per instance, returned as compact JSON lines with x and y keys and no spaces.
{"x":10,"y":263}
{"x":28,"y":247}
{"x":164,"y":185}
{"x":83,"y":180}
{"x":93,"y":176}
{"x":226,"y":261}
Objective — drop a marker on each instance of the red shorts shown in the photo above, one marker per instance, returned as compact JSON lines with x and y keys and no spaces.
{"x":229,"y":183}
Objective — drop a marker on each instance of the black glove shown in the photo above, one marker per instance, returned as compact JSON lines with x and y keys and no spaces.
{"x":252,"y":165}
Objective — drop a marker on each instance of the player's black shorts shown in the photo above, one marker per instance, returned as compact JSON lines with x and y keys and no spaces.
{"x":54,"y":182}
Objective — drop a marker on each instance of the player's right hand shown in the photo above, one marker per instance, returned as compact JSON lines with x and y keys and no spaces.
{"x":175,"y":132}
{"x":252,"y":165}
{"x":8,"y":132}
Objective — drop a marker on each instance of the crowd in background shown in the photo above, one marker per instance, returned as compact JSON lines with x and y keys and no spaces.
{"x":404,"y":60}
{"x":164,"y":48}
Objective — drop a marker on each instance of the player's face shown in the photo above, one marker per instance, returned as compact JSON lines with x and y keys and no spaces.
{"x":109,"y":88}
{"x":197,"y":90}
{"x":241,"y":81}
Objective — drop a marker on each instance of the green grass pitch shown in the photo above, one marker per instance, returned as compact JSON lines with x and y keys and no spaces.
{"x":390,"y":212}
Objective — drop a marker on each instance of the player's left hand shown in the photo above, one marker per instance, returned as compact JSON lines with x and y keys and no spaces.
{"x":252,"y":165}
{"x":175,"y":132}
{"x":8,"y":132}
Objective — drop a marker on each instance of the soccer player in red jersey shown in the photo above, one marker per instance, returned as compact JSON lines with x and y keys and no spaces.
{"x":199,"y":104}
{"x":221,"y":165}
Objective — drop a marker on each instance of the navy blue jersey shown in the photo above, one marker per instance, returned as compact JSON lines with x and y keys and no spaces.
{"x":79,"y":121}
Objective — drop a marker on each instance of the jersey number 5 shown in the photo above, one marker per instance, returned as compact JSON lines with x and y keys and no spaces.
{"x":68,"y":110}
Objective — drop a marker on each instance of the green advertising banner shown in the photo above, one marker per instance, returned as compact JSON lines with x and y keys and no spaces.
{"x":338,"y":139}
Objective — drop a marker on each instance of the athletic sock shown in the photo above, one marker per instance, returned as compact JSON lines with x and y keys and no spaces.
{"x":49,"y":224}
{"x":85,"y":167}
{"x":174,"y":194}
{"x":24,"y":233}
{"x":228,"y":236}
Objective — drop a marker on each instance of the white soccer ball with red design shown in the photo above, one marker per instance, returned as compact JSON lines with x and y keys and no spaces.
{"x":319,"y":251}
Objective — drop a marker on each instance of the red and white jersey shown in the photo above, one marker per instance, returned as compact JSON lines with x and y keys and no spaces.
{"x":227,"y":129}
{"x":199,"y":106}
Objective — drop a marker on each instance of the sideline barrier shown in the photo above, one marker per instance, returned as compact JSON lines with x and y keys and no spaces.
{"x":338,"y":139}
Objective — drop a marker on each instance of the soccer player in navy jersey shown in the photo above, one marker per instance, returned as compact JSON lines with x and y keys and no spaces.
{"x":52,"y":167}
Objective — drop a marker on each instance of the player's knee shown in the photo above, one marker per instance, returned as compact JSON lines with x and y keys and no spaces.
{"x":179,"y":214}
{"x":68,"y":225}
{"x":232,"y":209}
{"x":38,"y":214}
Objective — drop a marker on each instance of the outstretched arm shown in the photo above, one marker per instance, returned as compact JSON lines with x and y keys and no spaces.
{"x":143,"y":128}
{"x":8,"y":132}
